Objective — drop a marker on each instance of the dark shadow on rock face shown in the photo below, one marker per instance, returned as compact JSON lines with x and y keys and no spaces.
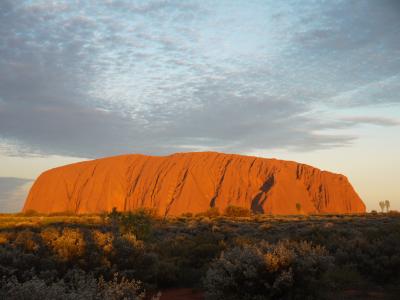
{"x":259,"y":200}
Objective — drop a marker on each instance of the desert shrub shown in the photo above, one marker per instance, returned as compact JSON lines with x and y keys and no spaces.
{"x":76,"y":285}
{"x":132,"y":259}
{"x":345,"y":276}
{"x":103,"y":241}
{"x":167,"y":273}
{"x":114,"y":217}
{"x":190,"y":256}
{"x":212,"y":212}
{"x":126,"y":249}
{"x":178,"y":252}
{"x":98,"y":249}
{"x":119,"y":289}
{"x":70,"y":245}
{"x":49,"y":235}
{"x":187,"y":215}
{"x":378,"y":260}
{"x":285,"y":270}
{"x":4,"y":238}
{"x":394,"y":213}
{"x":7,"y":257}
{"x":33,"y":289}
{"x":27,"y":240}
{"x":236,"y":211}
{"x":138,"y":222}
{"x":265,"y":226}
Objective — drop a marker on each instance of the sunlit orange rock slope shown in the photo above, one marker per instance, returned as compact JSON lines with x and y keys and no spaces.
{"x":192,"y":182}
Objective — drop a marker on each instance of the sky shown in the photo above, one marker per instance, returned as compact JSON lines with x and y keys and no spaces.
{"x":317,"y":82}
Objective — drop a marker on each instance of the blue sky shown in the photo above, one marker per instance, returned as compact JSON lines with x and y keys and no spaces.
{"x":312,"y":81}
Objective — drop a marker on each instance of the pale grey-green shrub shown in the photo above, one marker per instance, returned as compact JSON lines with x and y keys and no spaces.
{"x":75,"y":286}
{"x":286,"y":270}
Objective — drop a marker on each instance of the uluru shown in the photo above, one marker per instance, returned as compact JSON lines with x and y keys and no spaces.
{"x":192,"y":183}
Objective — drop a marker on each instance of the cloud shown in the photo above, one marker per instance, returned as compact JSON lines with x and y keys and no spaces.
{"x":13,"y":192}
{"x":112,"y":77}
{"x":378,"y":121}
{"x":384,"y":91}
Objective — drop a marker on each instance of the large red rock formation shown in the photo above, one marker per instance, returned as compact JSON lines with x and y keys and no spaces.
{"x":192,"y":182}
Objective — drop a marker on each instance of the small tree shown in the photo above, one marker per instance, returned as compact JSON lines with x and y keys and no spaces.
{"x":387,"y":205}
{"x":115,"y":217}
{"x":138,"y":222}
{"x":298,"y":207}
{"x":382,"y":205}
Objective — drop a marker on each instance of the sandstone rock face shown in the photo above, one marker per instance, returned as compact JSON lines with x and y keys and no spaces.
{"x":192,"y":182}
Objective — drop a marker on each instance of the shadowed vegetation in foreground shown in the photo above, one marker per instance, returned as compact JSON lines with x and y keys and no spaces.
{"x":233,"y":256}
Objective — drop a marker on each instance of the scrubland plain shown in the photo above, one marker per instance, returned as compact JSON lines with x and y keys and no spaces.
{"x":235,"y":255}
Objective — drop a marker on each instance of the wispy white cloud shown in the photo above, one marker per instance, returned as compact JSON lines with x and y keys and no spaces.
{"x":382,"y":91}
{"x":379,"y":121}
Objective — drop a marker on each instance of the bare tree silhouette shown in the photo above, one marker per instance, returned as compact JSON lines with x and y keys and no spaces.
{"x":382,"y":205}
{"x":387,"y":205}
